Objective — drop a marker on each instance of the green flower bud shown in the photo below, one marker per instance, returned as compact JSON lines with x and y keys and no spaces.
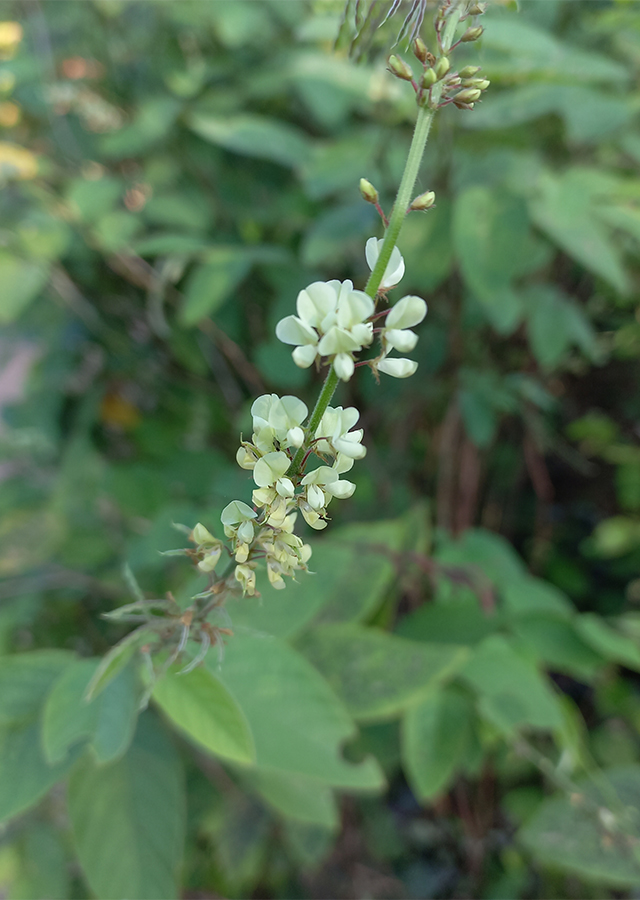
{"x":472,"y":34}
{"x":441,"y":67}
{"x":399,"y":68}
{"x":420,"y":50}
{"x":369,"y":193}
{"x":462,"y":105}
{"x":429,"y":78}
{"x":477,"y":9}
{"x":469,"y":71}
{"x":424,"y":201}
{"x":483,"y":84}
{"x":469,"y":95}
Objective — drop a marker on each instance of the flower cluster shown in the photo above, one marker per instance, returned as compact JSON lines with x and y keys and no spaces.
{"x":334,"y":322}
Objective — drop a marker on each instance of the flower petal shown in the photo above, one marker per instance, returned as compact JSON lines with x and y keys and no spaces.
{"x":398,"y":368}
{"x":292,"y":330}
{"x":407,"y":312}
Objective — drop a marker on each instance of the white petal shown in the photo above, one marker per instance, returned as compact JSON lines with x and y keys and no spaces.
{"x":284,"y":487}
{"x":407,"y":312}
{"x":362,"y":333}
{"x":315,"y":301}
{"x":295,"y":410}
{"x":245,"y":532}
{"x":352,"y":449}
{"x":321,"y":475}
{"x":344,"y":366}
{"x":395,"y":267}
{"x":236,"y":512}
{"x":341,"y":489}
{"x":292,"y":330}
{"x":295,"y":437}
{"x":343,"y":464}
{"x":337,"y":340}
{"x":398,"y":368}
{"x":303,"y":357}
{"x":270,"y":468}
{"x":401,"y":340}
{"x":354,"y":308}
{"x":315,"y":497}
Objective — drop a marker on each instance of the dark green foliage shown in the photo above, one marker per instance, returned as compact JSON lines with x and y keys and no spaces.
{"x":426,"y":715}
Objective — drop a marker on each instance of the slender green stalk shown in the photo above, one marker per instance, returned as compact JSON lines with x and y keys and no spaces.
{"x":403,"y":198}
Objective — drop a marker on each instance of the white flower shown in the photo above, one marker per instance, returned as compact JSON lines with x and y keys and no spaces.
{"x":237,"y":512}
{"x":275,"y":420}
{"x":407,"y":312}
{"x":334,"y":429}
{"x":270,"y":469}
{"x":398,"y":368}
{"x":395,"y":267}
{"x":331,"y":322}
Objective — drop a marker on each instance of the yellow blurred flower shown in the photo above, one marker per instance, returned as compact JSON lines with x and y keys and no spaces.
{"x":10,"y":114}
{"x":16,"y":162}
{"x":10,"y":37}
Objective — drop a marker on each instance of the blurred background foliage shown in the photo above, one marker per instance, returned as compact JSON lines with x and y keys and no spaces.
{"x":450,"y":706}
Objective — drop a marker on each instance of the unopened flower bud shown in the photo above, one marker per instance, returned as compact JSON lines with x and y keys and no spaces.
{"x":472,"y":34}
{"x":441,"y":67}
{"x":420,"y":50}
{"x":477,"y":9}
{"x":482,"y":84}
{"x":454,"y":81}
{"x":462,"y":105}
{"x":469,"y":71}
{"x":429,"y":78}
{"x":369,"y":193}
{"x":469,"y":95}
{"x":424,"y":201}
{"x":399,"y":68}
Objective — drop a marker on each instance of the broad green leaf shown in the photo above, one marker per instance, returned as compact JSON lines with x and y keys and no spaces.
{"x":44,"y":869}
{"x":607,"y":641}
{"x":589,"y":115}
{"x":203,"y":709}
{"x":435,"y":734}
{"x":491,"y":236}
{"x":90,"y":199}
{"x":152,"y":122}
{"x":512,"y":692}
{"x":298,"y":723}
{"x":532,"y":596}
{"x":176,"y":210}
{"x":251,"y":135}
{"x":555,"y":323}
{"x":351,"y":582}
{"x":338,"y":166}
{"x":213,"y":282}
{"x":481,"y":550}
{"x":25,"y":680}
{"x":580,"y":833}
{"x":116,"y":660}
{"x":25,"y":775}
{"x":459,"y":620}
{"x":128,"y":819}
{"x":556,"y":644}
{"x":296,"y":797}
{"x":377,"y":674}
{"x":108,"y":721}
{"x":22,"y":280}
{"x":526,"y":48}
{"x":564,"y":207}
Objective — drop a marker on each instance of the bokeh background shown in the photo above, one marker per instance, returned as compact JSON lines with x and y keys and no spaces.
{"x":173,"y":173}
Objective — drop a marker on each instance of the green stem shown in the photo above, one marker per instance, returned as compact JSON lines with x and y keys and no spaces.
{"x":403,"y":198}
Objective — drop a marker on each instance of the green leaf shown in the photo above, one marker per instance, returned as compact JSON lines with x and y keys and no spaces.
{"x":526,"y":48}
{"x":490,"y":553}
{"x":44,"y":871}
{"x":378,"y":674}
{"x":116,"y":660}
{"x":109,"y":721}
{"x":555,"y":323}
{"x":128,"y":819}
{"x":251,"y":135}
{"x":210,"y":284}
{"x":25,"y":775}
{"x":491,"y":236}
{"x":91,"y":199}
{"x":203,"y":709}
{"x":163,"y":244}
{"x":556,"y":644}
{"x":435,"y":735}
{"x":338,"y":166}
{"x":152,"y":122}
{"x":25,"y":680}
{"x":298,"y":723}
{"x":570,"y":833}
{"x":564,"y":207}
{"x":459,"y":620}
{"x":21,"y":281}
{"x":296,"y":797}
{"x":533,"y":596}
{"x":512,"y":692}
{"x":607,"y":641}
